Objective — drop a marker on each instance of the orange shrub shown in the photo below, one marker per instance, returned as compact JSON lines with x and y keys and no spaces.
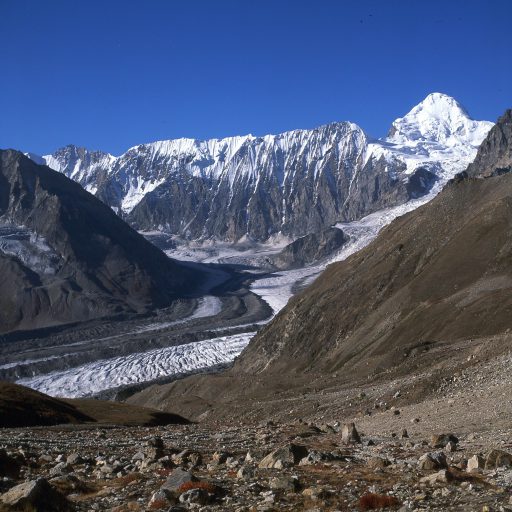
{"x":373,"y":501}
{"x":159,"y":504}
{"x":197,"y":485}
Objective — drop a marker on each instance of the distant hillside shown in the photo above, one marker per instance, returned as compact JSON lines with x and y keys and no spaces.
{"x":66,"y":257}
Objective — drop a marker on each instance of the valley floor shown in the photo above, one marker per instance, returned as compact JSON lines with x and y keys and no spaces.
{"x":119,"y":469}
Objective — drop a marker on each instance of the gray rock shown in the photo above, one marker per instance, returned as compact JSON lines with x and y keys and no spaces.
{"x":440,"y":477}
{"x":74,"y":458}
{"x":36,"y":495}
{"x":288,"y":455}
{"x":219,"y":458}
{"x":177,"y":478}
{"x":450,"y":446}
{"x":441,"y":440}
{"x":475,"y":463}
{"x":498,"y":458}
{"x":312,"y":457}
{"x":161,"y":496}
{"x":245,"y":472}
{"x":432,"y":460}
{"x":349,"y":434}
{"x":139,"y":456}
{"x":494,"y":156}
{"x":195,"y":496}
{"x":60,"y":469}
{"x":154,"y":449}
{"x":284,"y":483}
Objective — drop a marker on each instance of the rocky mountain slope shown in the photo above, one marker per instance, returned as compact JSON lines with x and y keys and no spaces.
{"x":267,"y":467}
{"x":438,"y":275}
{"x":66,"y":257}
{"x":293,"y":183}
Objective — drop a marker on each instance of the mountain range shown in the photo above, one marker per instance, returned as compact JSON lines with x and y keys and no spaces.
{"x":292,"y":184}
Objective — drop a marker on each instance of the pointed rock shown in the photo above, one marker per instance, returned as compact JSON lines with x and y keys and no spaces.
{"x":349,"y":434}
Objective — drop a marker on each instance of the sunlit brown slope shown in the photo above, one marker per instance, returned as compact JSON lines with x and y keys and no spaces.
{"x":437,"y":276}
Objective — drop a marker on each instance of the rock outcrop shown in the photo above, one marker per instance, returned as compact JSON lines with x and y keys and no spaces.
{"x":309,"y":249}
{"x":494,"y":156}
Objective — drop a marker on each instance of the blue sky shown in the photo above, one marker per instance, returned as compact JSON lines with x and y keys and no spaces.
{"x":112,"y":74}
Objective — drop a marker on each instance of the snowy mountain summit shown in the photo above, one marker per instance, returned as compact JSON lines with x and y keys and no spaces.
{"x":292,"y":183}
{"x":439,"y":119}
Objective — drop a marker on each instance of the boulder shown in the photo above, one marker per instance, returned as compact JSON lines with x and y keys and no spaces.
{"x":441,"y":440}
{"x":155,"y":448}
{"x":432,"y":460}
{"x":176,"y":479}
{"x":288,"y":455}
{"x":219,"y":458}
{"x":74,"y":458}
{"x":245,"y":472}
{"x":474,"y":463}
{"x":161,"y":498}
{"x":284,"y":483}
{"x":441,"y":477}
{"x":61,"y":469}
{"x":36,"y":495}
{"x":195,"y":496}
{"x":498,"y":458}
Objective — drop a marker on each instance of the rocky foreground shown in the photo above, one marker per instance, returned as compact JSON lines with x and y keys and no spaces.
{"x":296,"y":466}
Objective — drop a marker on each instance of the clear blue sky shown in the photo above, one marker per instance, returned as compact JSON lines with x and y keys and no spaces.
{"x":112,"y":74}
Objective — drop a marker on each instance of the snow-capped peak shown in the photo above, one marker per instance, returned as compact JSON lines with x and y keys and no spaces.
{"x":439,"y":118}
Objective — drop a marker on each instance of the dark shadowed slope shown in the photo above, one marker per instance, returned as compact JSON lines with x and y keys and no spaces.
{"x":66,"y":257}
{"x":309,"y":249}
{"x":24,"y":407}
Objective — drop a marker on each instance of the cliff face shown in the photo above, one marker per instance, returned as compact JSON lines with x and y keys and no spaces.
{"x":494,"y":156}
{"x":309,"y":249}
